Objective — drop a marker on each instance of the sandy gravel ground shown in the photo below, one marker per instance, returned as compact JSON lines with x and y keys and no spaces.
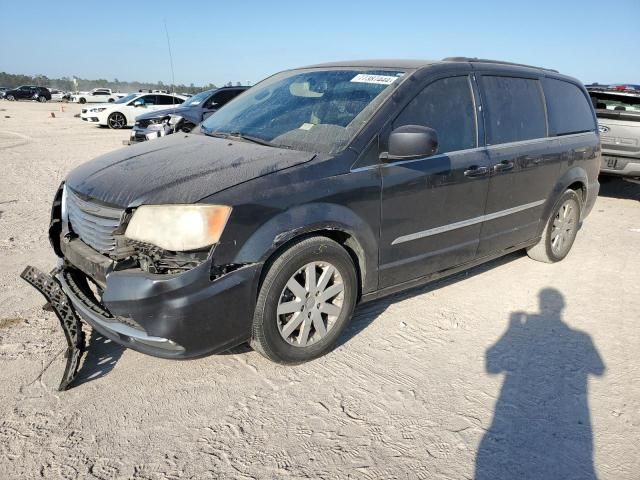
{"x":516,"y":366}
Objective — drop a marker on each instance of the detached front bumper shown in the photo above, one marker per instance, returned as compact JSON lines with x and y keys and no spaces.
{"x":170,"y":316}
{"x":150,"y":132}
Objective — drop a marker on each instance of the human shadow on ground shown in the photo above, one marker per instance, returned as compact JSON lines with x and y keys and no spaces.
{"x":541,"y":427}
{"x":101,"y":357}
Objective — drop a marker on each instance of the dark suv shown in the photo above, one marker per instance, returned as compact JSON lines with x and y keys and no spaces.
{"x":28,"y":92}
{"x":183,"y":117}
{"x":319,"y":188}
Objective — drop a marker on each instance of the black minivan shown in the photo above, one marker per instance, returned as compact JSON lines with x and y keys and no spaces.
{"x":319,"y":188}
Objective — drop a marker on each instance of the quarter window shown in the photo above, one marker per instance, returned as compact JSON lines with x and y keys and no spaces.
{"x":447,"y":106}
{"x":513,"y":109}
{"x":568,"y":106}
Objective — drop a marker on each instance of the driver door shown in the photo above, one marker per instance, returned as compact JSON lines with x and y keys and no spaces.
{"x":432,"y":208}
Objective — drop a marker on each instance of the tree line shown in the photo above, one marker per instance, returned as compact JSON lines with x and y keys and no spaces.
{"x":11,"y":80}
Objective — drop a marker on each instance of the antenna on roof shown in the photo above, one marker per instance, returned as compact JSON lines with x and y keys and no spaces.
{"x":173,"y":77}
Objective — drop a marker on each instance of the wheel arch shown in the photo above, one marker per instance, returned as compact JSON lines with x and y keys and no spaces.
{"x":336,"y":222}
{"x":575,"y":179}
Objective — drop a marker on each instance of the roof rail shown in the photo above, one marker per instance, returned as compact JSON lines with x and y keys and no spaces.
{"x":499,"y":62}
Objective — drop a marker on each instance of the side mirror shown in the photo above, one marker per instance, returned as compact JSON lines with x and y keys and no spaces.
{"x":138,"y":103}
{"x":411,"y":142}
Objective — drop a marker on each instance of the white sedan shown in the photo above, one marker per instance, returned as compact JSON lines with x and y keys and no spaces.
{"x":122,"y":113}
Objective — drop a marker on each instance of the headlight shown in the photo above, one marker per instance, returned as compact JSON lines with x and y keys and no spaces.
{"x":174,"y":119}
{"x":98,"y":110}
{"x":155,"y":121}
{"x":178,"y":227}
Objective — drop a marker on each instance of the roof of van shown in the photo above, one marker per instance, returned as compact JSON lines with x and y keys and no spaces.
{"x":415,"y":64}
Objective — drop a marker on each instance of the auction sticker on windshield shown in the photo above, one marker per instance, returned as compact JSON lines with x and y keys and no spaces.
{"x":377,"y":79}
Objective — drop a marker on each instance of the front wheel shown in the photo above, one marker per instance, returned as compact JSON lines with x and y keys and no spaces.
{"x":82,"y":100}
{"x":116,"y":120}
{"x":560,"y":231}
{"x":11,"y":98}
{"x":305,"y":301}
{"x":42,"y":99}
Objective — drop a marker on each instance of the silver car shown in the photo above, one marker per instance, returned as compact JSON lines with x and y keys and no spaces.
{"x":619,"y":124}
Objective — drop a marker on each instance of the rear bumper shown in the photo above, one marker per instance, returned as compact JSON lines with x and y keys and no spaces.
{"x":170,"y":316}
{"x":623,"y":166}
{"x":592,"y":194}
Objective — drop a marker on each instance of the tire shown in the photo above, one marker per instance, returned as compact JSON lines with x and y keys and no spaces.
{"x":82,"y":100}
{"x":117,"y":121}
{"x":110,"y":100}
{"x":11,"y":98}
{"x":42,"y":99}
{"x":285,"y":323}
{"x":560,"y":231}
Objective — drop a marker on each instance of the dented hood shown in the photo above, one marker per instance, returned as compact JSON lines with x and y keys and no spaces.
{"x":177,"y":169}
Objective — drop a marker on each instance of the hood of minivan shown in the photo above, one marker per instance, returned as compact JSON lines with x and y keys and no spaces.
{"x":177,"y":169}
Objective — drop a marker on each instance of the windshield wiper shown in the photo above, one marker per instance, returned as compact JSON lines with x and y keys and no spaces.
{"x":241,"y":136}
{"x":249,"y":138}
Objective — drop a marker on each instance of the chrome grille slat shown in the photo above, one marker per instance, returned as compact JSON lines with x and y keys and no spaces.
{"x":93,"y":222}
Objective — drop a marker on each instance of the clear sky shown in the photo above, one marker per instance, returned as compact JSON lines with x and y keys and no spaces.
{"x":248,"y":40}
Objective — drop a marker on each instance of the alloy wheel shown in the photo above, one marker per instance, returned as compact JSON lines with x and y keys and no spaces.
{"x":310,"y":304}
{"x":117,"y":120}
{"x":564,"y":227}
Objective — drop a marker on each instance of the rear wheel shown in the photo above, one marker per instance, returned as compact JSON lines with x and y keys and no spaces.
{"x":305,"y":301}
{"x":42,"y":99}
{"x":11,"y":98}
{"x":110,"y":100}
{"x":82,"y":100}
{"x":560,"y":231}
{"x":116,"y":120}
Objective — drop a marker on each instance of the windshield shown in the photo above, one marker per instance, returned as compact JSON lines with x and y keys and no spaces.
{"x":197,"y":99}
{"x":127,"y":98}
{"x":312,"y":110}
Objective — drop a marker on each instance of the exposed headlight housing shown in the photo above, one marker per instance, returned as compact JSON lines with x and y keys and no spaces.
{"x":174,"y":119}
{"x":178,"y":228}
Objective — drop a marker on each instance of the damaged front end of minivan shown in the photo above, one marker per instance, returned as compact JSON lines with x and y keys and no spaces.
{"x":122,"y":272}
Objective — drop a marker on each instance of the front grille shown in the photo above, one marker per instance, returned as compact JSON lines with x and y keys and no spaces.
{"x":93,"y":222}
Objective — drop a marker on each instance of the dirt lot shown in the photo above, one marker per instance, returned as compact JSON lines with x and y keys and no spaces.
{"x":519,"y":365}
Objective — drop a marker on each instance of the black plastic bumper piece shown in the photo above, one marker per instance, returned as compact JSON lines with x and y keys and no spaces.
{"x":177,"y":316}
{"x":69,"y":320}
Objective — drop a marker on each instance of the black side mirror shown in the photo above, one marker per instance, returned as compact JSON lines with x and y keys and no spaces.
{"x":411,"y":142}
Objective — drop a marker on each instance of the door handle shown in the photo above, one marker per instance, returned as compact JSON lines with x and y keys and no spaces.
{"x":503,"y":166}
{"x":475,"y":171}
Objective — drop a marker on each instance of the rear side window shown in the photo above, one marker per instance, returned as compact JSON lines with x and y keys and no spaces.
{"x":513,"y":109}
{"x":168,"y":100}
{"x":569,"y":109}
{"x":221,"y":98}
{"x":446,"y":106}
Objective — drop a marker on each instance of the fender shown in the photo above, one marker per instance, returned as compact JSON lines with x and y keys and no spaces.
{"x":315,"y":217}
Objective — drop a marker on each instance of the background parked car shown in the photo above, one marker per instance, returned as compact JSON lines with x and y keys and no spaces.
{"x":619,"y":124}
{"x":184,"y":117}
{"x":57,"y":95}
{"x":28,"y":92}
{"x":97,"y":95}
{"x":122,"y":113}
